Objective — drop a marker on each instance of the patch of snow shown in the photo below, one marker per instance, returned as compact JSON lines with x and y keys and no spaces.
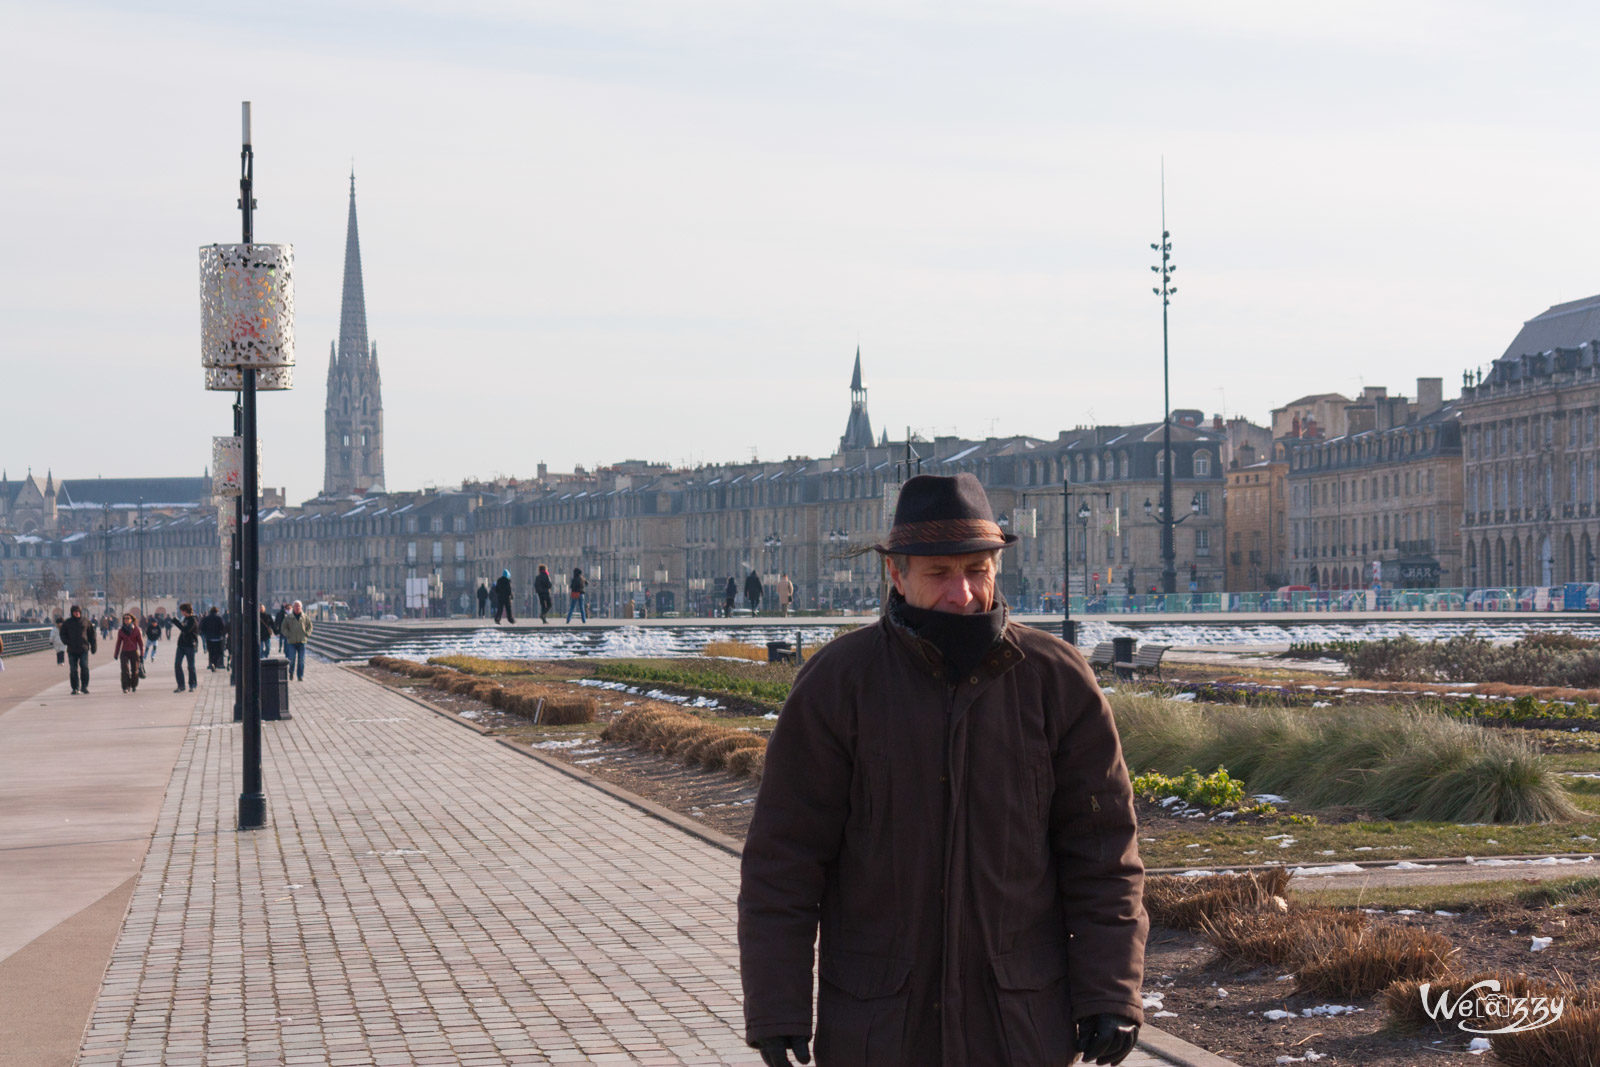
{"x":1332,"y":868}
{"x":1407,"y":865}
{"x":1478,"y":1046}
{"x":1330,"y":1009}
{"x":1268,"y":798}
{"x":1540,"y":944}
{"x":1277,"y":1015}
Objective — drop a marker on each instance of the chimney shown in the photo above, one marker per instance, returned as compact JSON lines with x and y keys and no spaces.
{"x":544,"y":471}
{"x":1430,"y":396}
{"x":1216,"y":422}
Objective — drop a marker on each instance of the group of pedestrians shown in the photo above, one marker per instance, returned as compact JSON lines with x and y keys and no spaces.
{"x":753,"y":592}
{"x":134,"y":643}
{"x":543,"y":587}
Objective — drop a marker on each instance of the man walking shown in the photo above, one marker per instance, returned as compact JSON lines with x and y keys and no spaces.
{"x":542,"y":587}
{"x":752,"y":592}
{"x":215,"y":632}
{"x":785,"y":592}
{"x":945,"y":800}
{"x":502,"y":598}
{"x":296,"y":628}
{"x":730,"y":593}
{"x":265,"y":631}
{"x":77,"y":633}
{"x":188,"y":640}
{"x":483,"y":598}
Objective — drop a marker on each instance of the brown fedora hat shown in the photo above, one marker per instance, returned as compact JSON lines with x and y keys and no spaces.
{"x":943,"y":517}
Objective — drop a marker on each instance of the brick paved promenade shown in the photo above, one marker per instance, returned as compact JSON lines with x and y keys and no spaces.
{"x":421,"y":895}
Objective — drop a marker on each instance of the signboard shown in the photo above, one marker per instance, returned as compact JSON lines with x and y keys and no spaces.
{"x":416,"y":594}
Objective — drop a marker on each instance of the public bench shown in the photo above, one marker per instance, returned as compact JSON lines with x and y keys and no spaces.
{"x":1146,"y":660}
{"x":1102,"y":656}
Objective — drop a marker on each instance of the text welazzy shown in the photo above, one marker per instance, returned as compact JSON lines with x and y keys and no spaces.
{"x":1482,"y":1004}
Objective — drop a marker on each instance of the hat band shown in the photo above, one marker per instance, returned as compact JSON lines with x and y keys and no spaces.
{"x":939,"y":531}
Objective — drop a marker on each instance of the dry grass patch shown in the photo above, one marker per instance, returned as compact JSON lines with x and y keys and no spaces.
{"x":1571,"y":1041}
{"x":1273,"y":939}
{"x":538,"y":703}
{"x":691,"y":739}
{"x":1185,"y":903}
{"x":1361,"y":961}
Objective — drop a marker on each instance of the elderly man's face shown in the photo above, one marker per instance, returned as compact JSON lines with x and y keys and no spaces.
{"x":959,"y":585}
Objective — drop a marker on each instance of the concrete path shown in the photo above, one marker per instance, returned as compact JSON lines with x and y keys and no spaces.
{"x":421,"y":895}
{"x":81,"y":780}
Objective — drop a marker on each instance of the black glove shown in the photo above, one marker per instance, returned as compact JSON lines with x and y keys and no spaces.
{"x":775,"y":1050}
{"x":1105,"y":1039}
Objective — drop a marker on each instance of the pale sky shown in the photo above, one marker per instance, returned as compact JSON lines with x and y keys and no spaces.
{"x":656,"y":229}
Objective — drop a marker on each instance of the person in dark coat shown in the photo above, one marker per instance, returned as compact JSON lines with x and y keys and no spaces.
{"x":266,"y":630}
{"x":277,"y":627}
{"x":128,"y":650}
{"x":77,"y":633}
{"x":483,"y":599}
{"x":945,"y":818}
{"x":215,"y":632}
{"x":730,"y":593}
{"x":543,"y":587}
{"x":752,"y":592}
{"x":188,"y":641}
{"x":577,"y":595}
{"x":502,"y":597}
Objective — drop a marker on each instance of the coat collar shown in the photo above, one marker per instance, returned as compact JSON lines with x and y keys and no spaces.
{"x":1006,"y":653}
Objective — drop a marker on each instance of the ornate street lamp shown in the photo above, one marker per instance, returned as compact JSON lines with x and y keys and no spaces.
{"x":247,"y":342}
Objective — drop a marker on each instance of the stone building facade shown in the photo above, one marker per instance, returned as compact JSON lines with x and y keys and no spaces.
{"x":1256,"y":521}
{"x":1381,"y":501}
{"x":1530,"y":516}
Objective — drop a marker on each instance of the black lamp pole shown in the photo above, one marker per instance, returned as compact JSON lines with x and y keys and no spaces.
{"x":252,"y":801}
{"x":1169,"y":558}
{"x":1069,"y":628}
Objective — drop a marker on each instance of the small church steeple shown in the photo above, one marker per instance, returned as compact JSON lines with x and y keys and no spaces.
{"x":858,"y":430}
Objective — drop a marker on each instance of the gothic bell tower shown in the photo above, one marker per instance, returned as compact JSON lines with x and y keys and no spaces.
{"x":353,"y":449}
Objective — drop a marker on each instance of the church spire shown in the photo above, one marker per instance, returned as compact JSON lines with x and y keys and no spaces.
{"x":858,"y":431}
{"x":353,"y":308}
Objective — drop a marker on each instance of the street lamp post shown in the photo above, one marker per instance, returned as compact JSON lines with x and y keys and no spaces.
{"x":1161,"y":513}
{"x":1169,"y":563}
{"x":139,"y":530}
{"x":1069,"y":627}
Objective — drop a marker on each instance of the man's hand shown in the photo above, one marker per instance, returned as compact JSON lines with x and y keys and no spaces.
{"x":1105,"y":1039}
{"x":775,"y":1050}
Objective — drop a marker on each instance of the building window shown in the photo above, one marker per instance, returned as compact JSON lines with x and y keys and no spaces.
{"x":1204,"y":498}
{"x":1202,"y":542}
{"x":411,"y":553}
{"x":1202,"y":464}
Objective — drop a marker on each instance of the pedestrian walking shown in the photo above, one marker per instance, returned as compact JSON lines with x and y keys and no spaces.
{"x":502,"y":598}
{"x":785,"y":592}
{"x":265,"y":632}
{"x":277,"y":625}
{"x":152,"y":637}
{"x":76,"y":637}
{"x":129,"y":652}
{"x":215,"y":632}
{"x":577,"y":586}
{"x":752,"y":592}
{"x":730,"y":593}
{"x":188,"y":640}
{"x":543,"y":588}
{"x":483,"y":598}
{"x":945,"y":799}
{"x":57,"y":645}
{"x":296,"y":628}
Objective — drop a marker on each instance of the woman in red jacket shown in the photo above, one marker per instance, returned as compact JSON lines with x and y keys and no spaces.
{"x":129,"y":651}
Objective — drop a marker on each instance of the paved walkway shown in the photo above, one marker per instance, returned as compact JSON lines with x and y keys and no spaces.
{"x":421,"y":895}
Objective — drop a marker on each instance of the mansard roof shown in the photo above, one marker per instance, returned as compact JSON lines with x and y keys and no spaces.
{"x":127,"y":492}
{"x":1569,"y":325}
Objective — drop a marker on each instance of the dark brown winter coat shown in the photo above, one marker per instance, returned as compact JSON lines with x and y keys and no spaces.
{"x":967,"y":846}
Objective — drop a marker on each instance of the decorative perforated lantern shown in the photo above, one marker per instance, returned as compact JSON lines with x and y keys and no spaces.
{"x":247,"y":306}
{"x":227,"y":466}
{"x":231,"y":379}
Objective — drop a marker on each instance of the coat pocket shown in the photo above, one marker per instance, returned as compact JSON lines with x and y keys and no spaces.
{"x":861,"y":1008}
{"x":1035,"y":1003}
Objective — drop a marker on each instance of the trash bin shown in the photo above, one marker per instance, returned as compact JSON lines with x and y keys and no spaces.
{"x":274,"y":690}
{"x":1122,"y":649}
{"x":780,"y":652}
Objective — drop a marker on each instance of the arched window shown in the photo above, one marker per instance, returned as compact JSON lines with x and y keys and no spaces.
{"x":363,"y":405}
{"x":1202,"y":464}
{"x":1122,"y":464}
{"x":345,"y":403}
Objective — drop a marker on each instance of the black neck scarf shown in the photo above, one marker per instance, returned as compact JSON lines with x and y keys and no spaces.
{"x":963,"y":640}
